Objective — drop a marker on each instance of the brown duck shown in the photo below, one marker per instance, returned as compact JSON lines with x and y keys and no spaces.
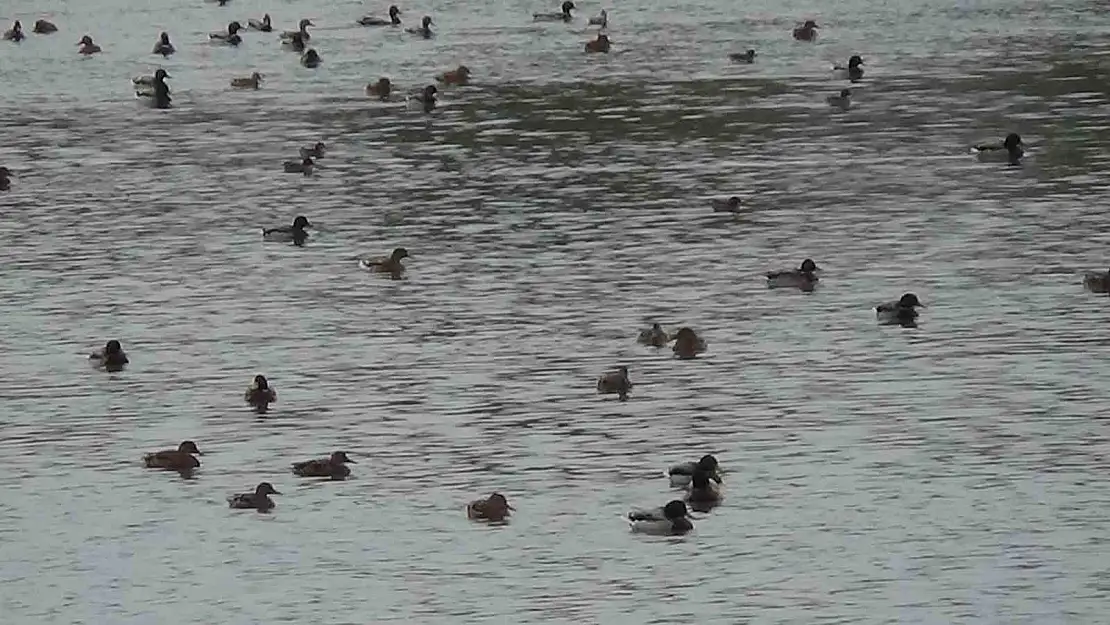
{"x":180,"y":459}
{"x":494,"y":509}
{"x":334,"y":467}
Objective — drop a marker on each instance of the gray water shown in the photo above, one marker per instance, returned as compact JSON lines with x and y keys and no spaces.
{"x":949,"y":474}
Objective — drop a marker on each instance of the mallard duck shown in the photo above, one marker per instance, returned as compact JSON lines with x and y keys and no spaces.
{"x":805,"y":277}
{"x":563,"y":16}
{"x":391,"y":264}
{"x":380,"y":89}
{"x":704,"y":493}
{"x":229,"y":38}
{"x":87,"y":47}
{"x":303,"y":166}
{"x":302,"y":30}
{"x":260,"y":394}
{"x":425,"y":29}
{"x":807,"y":31}
{"x":155,"y":88}
{"x":252,"y":82}
{"x":682,"y":474}
{"x":310,"y":59}
{"x":334,"y":467}
{"x":43,"y":27}
{"x":111,"y":357}
{"x":743,"y":57}
{"x":394,"y":19}
{"x":1093,"y":281}
{"x":1010,"y":150}
{"x":687,"y":344}
{"x":601,"y":19}
{"x":615,"y":382}
{"x":672,"y":519}
{"x":164,"y":47}
{"x":493,"y":509}
{"x":902,"y":312}
{"x":731,"y":205}
{"x":424,"y":100}
{"x":286,"y":234}
{"x":842,"y":101}
{"x":313,"y":151}
{"x":15,"y":33}
{"x":5,"y":181}
{"x":601,"y":44}
{"x":264,"y":26}
{"x":653,"y":336}
{"x":180,"y":459}
{"x":460,"y":76}
{"x":853,"y":72}
{"x":258,"y":500}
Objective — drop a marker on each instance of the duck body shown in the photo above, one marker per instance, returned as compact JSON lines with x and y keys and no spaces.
{"x":5,"y":180}
{"x":112,"y":357}
{"x":841,"y":101}
{"x":15,"y":33}
{"x":682,"y":474}
{"x":731,"y":205}
{"x":563,"y":16}
{"x":295,"y":43}
{"x":303,"y":166}
{"x":311,"y":59}
{"x":44,"y":27}
{"x":704,"y":493}
{"x":670,"y":520}
{"x":394,"y":19}
{"x":459,"y":76}
{"x":391,"y":265}
{"x":600,"y":45}
{"x":262,"y":26}
{"x":380,"y":89}
{"x":313,"y":151}
{"x":155,"y":88}
{"x":743,"y":57}
{"x":288,"y":234}
{"x":252,"y":82}
{"x":425,"y":29}
{"x":258,"y":500}
{"x":180,"y":459}
{"x":902,"y":312}
{"x":615,"y":382}
{"x":260,"y":394}
{"x":687,"y":344}
{"x":164,"y":47}
{"x":87,"y":47}
{"x":1010,"y":150}
{"x":807,"y":31}
{"x":302,"y":31}
{"x":229,"y":38}
{"x":425,"y":100}
{"x":333,"y":467}
{"x":601,"y":19}
{"x":493,"y":509}
{"x":1097,"y":281}
{"x":805,"y":277}
{"x":654,"y":336}
{"x":852,"y":72}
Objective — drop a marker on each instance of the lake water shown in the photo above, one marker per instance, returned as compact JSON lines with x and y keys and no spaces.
{"x":949,"y":474}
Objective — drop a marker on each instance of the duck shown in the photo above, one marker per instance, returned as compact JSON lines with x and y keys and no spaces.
{"x":743,"y":57}
{"x":87,"y":47}
{"x":155,"y":88}
{"x":424,"y":30}
{"x":303,"y":166}
{"x":5,"y":179}
{"x":807,"y":31}
{"x":229,"y":38}
{"x":424,"y":100}
{"x":294,"y":43}
{"x":1010,"y":150}
{"x":493,"y":509}
{"x":262,"y":26}
{"x":842,"y":101}
{"x":390,"y":264}
{"x":1093,"y":281}
{"x":704,"y":492}
{"x":601,"y":44}
{"x":671,"y":520}
{"x":180,"y":459}
{"x":731,"y":205}
{"x":394,"y":19}
{"x":164,"y":47}
{"x":252,"y":82}
{"x":687,"y":344}
{"x":460,"y":76}
{"x":902,"y":312}
{"x":286,"y":234}
{"x":258,"y":500}
{"x":15,"y":33}
{"x":112,"y":357}
{"x":260,"y":394}
{"x":682,"y":474}
{"x":563,"y":16}
{"x":853,"y":72}
{"x":313,"y":151}
{"x":302,"y":30}
{"x":310,"y":59}
{"x":654,"y":336}
{"x":804,"y":277}
{"x":615,"y":382}
{"x":380,"y":89}
{"x":334,"y":467}
{"x":600,"y":20}
{"x":44,"y":27}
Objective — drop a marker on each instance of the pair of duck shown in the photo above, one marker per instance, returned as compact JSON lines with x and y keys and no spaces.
{"x":687,"y":343}
{"x":155,"y":88}
{"x":40,"y":27}
{"x":305,"y":166}
{"x":700,"y":479}
{"x":424,"y":30}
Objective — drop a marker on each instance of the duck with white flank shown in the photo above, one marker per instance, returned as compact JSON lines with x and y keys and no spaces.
{"x":671,"y":520}
{"x":229,"y":38}
{"x":804,"y":277}
{"x":1010,"y":150}
{"x":853,"y":72}
{"x":902,"y":312}
{"x":563,"y":16}
{"x":425,"y":29}
{"x":394,"y":19}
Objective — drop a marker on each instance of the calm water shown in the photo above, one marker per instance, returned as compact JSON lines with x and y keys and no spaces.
{"x":950,"y":474}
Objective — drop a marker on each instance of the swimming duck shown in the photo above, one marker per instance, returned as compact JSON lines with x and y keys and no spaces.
{"x":310,"y":59}
{"x":380,"y":89}
{"x":260,"y":394}
{"x":807,"y":31}
{"x":602,"y":19}
{"x":425,"y":30}
{"x":1094,"y":281}
{"x":853,"y":72}
{"x":303,"y":166}
{"x":687,"y":344}
{"x":1010,"y":150}
{"x":615,"y":382}
{"x":258,"y":500}
{"x":703,"y":493}
{"x":264,"y":26}
{"x":743,"y":57}
{"x":564,"y":16}
{"x":43,"y":27}
{"x":393,"y":20}
{"x":253,"y":82}
{"x":391,"y":264}
{"x":731,"y":205}
{"x":111,"y":357}
{"x":334,"y":467}
{"x":229,"y":38}
{"x":902,"y":312}
{"x":493,"y":509}
{"x":285,"y":234}
{"x":424,"y":100}
{"x":15,"y":33}
{"x":313,"y":151}
{"x":654,"y":336}
{"x":5,"y":181}
{"x":670,"y":520}
{"x":180,"y":459}
{"x":302,"y":30}
{"x":294,"y":43}
{"x":155,"y":88}
{"x":460,"y":76}
{"x":601,"y":44}
{"x":164,"y":47}
{"x":87,"y":46}
{"x":682,"y":474}
{"x":842,"y":101}
{"x":804,"y":277}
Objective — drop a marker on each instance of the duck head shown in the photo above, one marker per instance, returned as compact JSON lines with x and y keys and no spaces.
{"x":305,"y":24}
{"x":340,"y":457}
{"x":808,"y":265}
{"x":17,"y":27}
{"x":430,"y":92}
{"x":855,"y":61}
{"x":394,"y":11}
{"x":266,"y":20}
{"x":265,"y":488}
{"x":700,"y":480}
{"x":260,"y":381}
{"x":164,"y":39}
{"x":810,"y":24}
{"x":426,"y":22}
{"x":5,"y":172}
{"x":113,"y":347}
{"x":384,"y":86}
{"x":319,"y":147}
{"x":160,"y":75}
{"x":234,"y":27}
{"x":311,"y":57}
{"x":1012,"y":142}
{"x":623,"y":371}
{"x":189,"y":447}
{"x":255,"y":76}
{"x":398,"y":254}
{"x":675,"y":510}
{"x":567,"y":7}
{"x":909,"y":300}
{"x":463,"y":71}
{"x":300,"y":223}
{"x":734,"y":202}
{"x":85,"y":41}
{"x":498,"y":503}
